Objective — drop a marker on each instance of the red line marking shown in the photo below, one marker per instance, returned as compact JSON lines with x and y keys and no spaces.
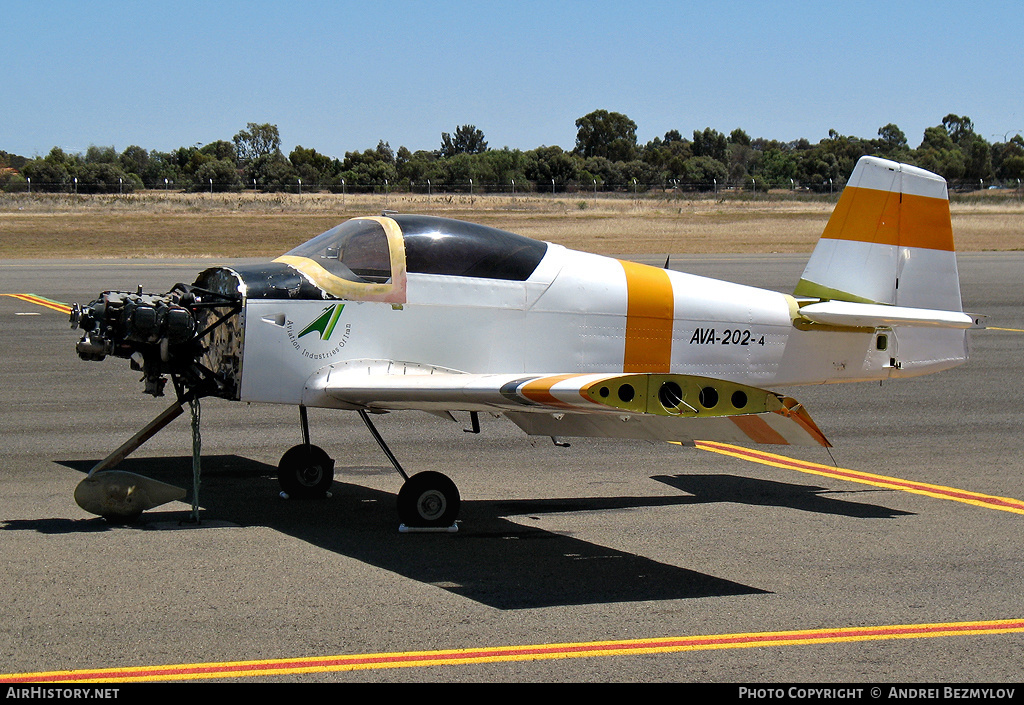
{"x":856,"y":476}
{"x":583,"y":649}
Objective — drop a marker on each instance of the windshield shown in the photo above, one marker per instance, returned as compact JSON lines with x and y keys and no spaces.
{"x":356,"y":250}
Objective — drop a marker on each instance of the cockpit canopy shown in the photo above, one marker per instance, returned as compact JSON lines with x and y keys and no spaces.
{"x":359,"y":249}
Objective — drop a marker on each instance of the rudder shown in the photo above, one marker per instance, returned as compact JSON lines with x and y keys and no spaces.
{"x":888,"y":241}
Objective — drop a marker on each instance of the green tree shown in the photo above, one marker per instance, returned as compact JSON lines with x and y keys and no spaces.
{"x":134,"y":160}
{"x":101,"y":155}
{"x":710,"y":143}
{"x":1008,"y":158}
{"x":257,"y":141}
{"x":977,"y":157}
{"x":54,"y":172}
{"x":939,"y":153}
{"x":892,"y":141}
{"x":468,"y":140}
{"x":371,"y":167}
{"x":221,"y":149}
{"x":272,"y":172}
{"x":311,"y":166}
{"x":217,"y":175}
{"x":497,"y":168}
{"x":544,"y":164}
{"x":12,"y":161}
{"x":607,"y":173}
{"x":416,"y":167}
{"x":704,"y":172}
{"x":778,"y":167}
{"x":162,"y":170}
{"x":46,"y":175}
{"x":739,"y":137}
{"x":105,"y":177}
{"x":606,"y":134}
{"x":958,"y":127}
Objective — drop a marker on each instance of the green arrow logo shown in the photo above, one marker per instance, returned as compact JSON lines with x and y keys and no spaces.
{"x":325,"y":322}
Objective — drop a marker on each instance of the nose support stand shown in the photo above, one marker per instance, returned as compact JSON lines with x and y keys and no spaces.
{"x":122,"y":495}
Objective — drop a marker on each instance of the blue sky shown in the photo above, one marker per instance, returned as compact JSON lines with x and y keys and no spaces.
{"x":339,"y":76}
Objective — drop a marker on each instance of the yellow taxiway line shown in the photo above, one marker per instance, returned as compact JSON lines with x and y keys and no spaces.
{"x":42,"y":301}
{"x":497,"y":654}
{"x":1005,"y":504}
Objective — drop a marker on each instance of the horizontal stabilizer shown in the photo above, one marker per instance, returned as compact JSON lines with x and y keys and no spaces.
{"x":845,"y":313}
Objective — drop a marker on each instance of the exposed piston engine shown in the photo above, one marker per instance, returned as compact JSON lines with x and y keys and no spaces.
{"x":185,"y":335}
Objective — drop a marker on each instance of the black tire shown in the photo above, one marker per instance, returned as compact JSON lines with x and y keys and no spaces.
{"x":305,"y":472}
{"x":428,"y":499}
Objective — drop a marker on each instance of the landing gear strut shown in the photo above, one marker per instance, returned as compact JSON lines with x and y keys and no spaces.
{"x":427,"y":500}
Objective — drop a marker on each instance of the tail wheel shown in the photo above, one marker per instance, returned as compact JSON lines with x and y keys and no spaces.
{"x":428,"y":499}
{"x":305,"y":471}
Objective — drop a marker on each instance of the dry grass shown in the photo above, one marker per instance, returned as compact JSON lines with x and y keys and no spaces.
{"x":154,"y":224}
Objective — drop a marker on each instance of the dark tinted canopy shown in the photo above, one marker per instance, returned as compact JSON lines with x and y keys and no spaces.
{"x":357,"y":249}
{"x":444,"y":246}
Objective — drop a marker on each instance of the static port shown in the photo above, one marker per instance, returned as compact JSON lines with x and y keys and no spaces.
{"x":708,"y":397}
{"x":670,"y":395}
{"x":626,"y":392}
{"x":739,"y":399}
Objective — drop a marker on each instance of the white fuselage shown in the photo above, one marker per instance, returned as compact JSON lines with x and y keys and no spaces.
{"x":577,"y":313}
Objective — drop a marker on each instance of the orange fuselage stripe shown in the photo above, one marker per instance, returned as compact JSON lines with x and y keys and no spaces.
{"x":889,"y":218}
{"x":650,"y":310}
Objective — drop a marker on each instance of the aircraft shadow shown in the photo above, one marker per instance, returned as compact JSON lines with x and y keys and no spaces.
{"x":491,"y":560}
{"x":747,"y":490}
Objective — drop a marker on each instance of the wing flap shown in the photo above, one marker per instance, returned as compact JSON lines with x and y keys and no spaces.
{"x":773,"y":427}
{"x":666,"y":407}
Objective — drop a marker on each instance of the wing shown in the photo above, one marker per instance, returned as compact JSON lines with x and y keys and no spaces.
{"x":666,"y":407}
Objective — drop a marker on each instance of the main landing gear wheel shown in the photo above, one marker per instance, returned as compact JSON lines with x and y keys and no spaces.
{"x":428,"y":500}
{"x":305,"y":472}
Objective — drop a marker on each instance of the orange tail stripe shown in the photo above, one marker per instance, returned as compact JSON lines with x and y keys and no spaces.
{"x":891,"y":218}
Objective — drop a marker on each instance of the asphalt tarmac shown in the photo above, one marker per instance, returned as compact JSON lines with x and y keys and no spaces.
{"x":601,"y":541}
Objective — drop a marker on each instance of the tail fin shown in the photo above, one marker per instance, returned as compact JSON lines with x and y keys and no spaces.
{"x":889,"y":241}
